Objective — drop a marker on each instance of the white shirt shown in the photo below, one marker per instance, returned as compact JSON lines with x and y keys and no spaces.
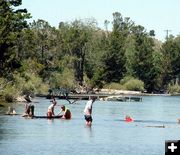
{"x":88,"y":106}
{"x":50,"y":107}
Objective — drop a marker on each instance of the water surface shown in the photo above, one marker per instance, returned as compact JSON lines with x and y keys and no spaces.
{"x":109,"y":134}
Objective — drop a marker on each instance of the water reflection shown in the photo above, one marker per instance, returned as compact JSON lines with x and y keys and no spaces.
{"x":88,"y":130}
{"x":50,"y":121}
{"x":88,"y":134}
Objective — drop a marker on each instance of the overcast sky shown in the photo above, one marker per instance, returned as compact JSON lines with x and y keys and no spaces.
{"x":159,"y":15}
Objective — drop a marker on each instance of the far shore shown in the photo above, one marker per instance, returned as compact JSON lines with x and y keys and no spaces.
{"x":113,"y":92}
{"x":100,"y":94}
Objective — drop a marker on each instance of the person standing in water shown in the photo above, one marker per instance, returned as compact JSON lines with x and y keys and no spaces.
{"x":50,"y":112}
{"x":29,"y":110}
{"x":88,"y":111}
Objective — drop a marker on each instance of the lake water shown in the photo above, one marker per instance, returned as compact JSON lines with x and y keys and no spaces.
{"x":108,"y":135}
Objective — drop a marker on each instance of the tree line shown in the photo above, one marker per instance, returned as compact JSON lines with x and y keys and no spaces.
{"x":37,"y":56}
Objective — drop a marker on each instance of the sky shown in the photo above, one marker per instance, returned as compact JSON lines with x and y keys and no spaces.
{"x":158,"y":15}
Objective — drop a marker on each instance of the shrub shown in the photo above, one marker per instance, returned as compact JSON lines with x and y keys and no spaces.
{"x":174,"y":89}
{"x":2,"y":85}
{"x":29,"y":84}
{"x":127,"y":83}
{"x":114,"y":85}
{"x":126,"y":79}
{"x":64,"y":80}
{"x":96,"y":80}
{"x":134,"y":85}
{"x":10,"y":93}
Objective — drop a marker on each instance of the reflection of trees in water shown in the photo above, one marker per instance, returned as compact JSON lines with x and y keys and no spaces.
{"x":8,"y":126}
{"x":50,"y":121}
{"x":3,"y":108}
{"x":3,"y":130}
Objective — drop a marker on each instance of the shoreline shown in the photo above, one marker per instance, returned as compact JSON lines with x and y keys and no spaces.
{"x":100,"y":94}
{"x":110,"y":92}
{"x":105,"y":95}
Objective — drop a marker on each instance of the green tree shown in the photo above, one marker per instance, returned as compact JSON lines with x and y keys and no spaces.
{"x":130,"y":50}
{"x":94,"y":65}
{"x":114,"y":59}
{"x":171,"y":60}
{"x":45,"y":40}
{"x":75,"y":40}
{"x":143,"y":57}
{"x":12,"y":22}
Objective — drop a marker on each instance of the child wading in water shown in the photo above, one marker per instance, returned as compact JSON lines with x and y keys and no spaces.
{"x":88,"y":111}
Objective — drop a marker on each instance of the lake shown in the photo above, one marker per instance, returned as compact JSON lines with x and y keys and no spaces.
{"x":108,"y":135}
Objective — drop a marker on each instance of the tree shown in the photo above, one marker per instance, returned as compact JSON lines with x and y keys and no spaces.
{"x":130,"y":50}
{"x":143,"y":57}
{"x":46,"y":37}
{"x":12,"y":22}
{"x":75,"y":41}
{"x":171,"y":60}
{"x":114,"y":59}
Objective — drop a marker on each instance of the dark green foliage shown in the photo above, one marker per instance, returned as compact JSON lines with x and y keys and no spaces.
{"x":171,"y":60}
{"x":142,"y":65}
{"x":75,"y":43}
{"x":12,"y":22}
{"x":152,"y":33}
{"x":36,"y":56}
{"x":114,"y":59}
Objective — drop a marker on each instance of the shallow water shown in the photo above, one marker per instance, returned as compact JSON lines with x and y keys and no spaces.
{"x":108,"y":135}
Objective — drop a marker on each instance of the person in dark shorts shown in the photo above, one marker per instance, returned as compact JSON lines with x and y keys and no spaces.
{"x":88,"y":118}
{"x":88,"y":111}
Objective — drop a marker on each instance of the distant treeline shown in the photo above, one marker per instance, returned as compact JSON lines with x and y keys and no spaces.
{"x":36,"y":56}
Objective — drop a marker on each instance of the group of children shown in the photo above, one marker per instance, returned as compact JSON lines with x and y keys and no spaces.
{"x":65,"y":113}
